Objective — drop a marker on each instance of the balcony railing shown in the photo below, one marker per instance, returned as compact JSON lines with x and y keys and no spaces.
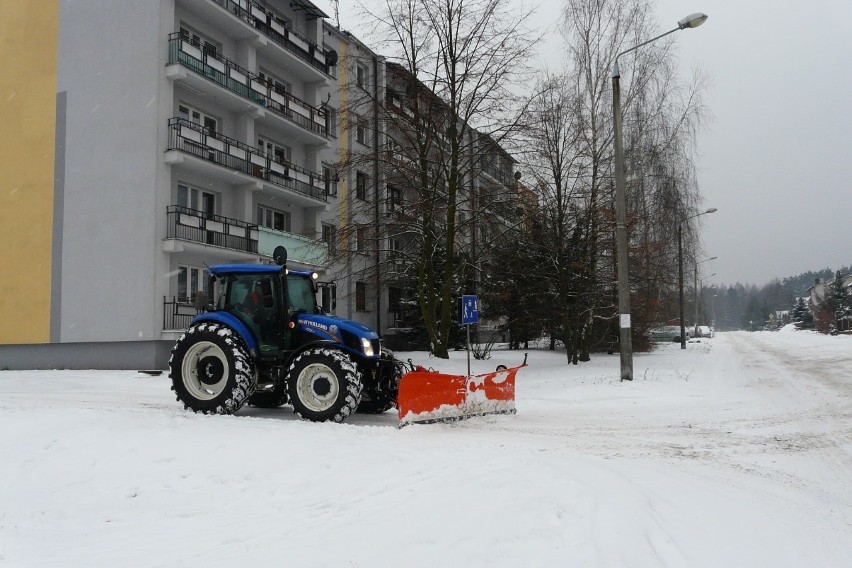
{"x":199,"y":141}
{"x":508,"y":209}
{"x":501,"y":175}
{"x":396,"y":207}
{"x":254,"y":14}
{"x":195,"y":57}
{"x":199,"y":227}
{"x":177,"y":315}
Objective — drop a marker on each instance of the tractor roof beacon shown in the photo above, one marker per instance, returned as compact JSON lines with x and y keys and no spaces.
{"x":264,"y":340}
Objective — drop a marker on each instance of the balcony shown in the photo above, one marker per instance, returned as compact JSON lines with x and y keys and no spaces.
{"x":499,"y":175}
{"x":195,"y":140}
{"x":396,"y":208}
{"x":238,"y":15}
{"x":299,"y":248}
{"x":509,"y":210}
{"x":249,"y":88}
{"x":196,"y":226}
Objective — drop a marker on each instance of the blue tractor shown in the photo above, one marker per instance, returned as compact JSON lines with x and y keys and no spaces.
{"x":265,"y":341}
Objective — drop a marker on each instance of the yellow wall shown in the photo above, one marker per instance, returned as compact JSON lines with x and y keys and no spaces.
{"x":28,"y":59}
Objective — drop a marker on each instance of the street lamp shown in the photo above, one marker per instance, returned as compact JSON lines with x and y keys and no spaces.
{"x":696,"y":289}
{"x":680,"y":269}
{"x":625,"y":340}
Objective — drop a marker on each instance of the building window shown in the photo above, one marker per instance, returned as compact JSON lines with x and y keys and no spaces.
{"x":275,"y":84}
{"x":198,"y":117}
{"x":331,"y":121}
{"x":394,"y":300}
{"x":329,"y":178}
{"x":394,"y":199}
{"x":273,"y":218}
{"x":329,"y":237}
{"x":361,"y":296}
{"x":394,"y":149}
{"x":362,"y":239}
{"x":278,"y":152}
{"x":207,"y":45}
{"x":394,"y":248}
{"x":361,"y":130}
{"x":361,"y":75}
{"x":191,"y":279}
{"x":361,"y":185}
{"x":197,"y":200}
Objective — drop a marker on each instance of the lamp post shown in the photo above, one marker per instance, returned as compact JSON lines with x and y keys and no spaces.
{"x":625,"y":339}
{"x":696,"y":290}
{"x":680,"y":270}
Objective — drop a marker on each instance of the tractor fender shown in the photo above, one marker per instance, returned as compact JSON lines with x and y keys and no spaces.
{"x":296,"y":352}
{"x":231,"y":321}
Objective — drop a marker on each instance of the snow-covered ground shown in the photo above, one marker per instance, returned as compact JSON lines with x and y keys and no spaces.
{"x":734,"y":452}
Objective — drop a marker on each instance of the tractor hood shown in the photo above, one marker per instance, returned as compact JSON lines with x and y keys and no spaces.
{"x":345,"y":332}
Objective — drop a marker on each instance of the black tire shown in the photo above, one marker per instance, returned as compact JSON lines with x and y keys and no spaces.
{"x":211,"y":369}
{"x":323,"y":385}
{"x":269,"y":398}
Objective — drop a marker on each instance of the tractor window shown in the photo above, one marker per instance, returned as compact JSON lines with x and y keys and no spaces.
{"x":302,"y":295}
{"x":254,"y":300}
{"x":240,"y":288}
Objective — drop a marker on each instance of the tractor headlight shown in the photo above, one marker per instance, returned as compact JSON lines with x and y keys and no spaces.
{"x":367,"y":347}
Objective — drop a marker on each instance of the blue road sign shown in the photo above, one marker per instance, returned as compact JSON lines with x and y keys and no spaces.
{"x":470,"y":310}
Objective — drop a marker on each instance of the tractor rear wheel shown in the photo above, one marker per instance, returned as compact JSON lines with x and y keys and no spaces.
{"x":323,"y":385}
{"x":211,"y":369}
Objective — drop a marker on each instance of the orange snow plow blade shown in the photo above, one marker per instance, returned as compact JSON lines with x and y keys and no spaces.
{"x":429,"y":396}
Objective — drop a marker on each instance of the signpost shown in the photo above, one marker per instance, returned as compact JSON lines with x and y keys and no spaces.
{"x":469,"y":315}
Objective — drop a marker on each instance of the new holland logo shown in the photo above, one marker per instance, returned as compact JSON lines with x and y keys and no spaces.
{"x":315,"y":324}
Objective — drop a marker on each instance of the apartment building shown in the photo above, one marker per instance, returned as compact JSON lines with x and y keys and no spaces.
{"x":182,"y":133}
{"x":148,"y":140}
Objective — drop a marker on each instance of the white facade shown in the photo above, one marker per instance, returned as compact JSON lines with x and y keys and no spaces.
{"x":193,"y":135}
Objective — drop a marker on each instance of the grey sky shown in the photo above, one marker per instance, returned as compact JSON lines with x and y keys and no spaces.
{"x":773,"y":157}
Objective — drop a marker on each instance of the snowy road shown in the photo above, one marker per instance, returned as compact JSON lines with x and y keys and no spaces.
{"x":734,"y":452}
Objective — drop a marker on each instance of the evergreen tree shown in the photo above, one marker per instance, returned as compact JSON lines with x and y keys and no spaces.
{"x":801,"y":314}
{"x":841,"y":302}
{"x":797,"y":311}
{"x":514,"y":292}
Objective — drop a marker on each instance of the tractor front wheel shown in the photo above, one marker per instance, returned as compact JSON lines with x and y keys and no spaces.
{"x":323,"y":385}
{"x":211,"y":369}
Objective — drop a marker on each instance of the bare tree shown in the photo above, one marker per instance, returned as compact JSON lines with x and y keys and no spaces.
{"x":449,"y":97}
{"x":568,"y":142}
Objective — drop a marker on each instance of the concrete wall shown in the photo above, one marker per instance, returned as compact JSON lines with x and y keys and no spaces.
{"x":128,"y":355}
{"x":109,"y":69}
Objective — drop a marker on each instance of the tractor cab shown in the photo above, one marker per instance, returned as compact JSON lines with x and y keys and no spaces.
{"x":268,"y":300}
